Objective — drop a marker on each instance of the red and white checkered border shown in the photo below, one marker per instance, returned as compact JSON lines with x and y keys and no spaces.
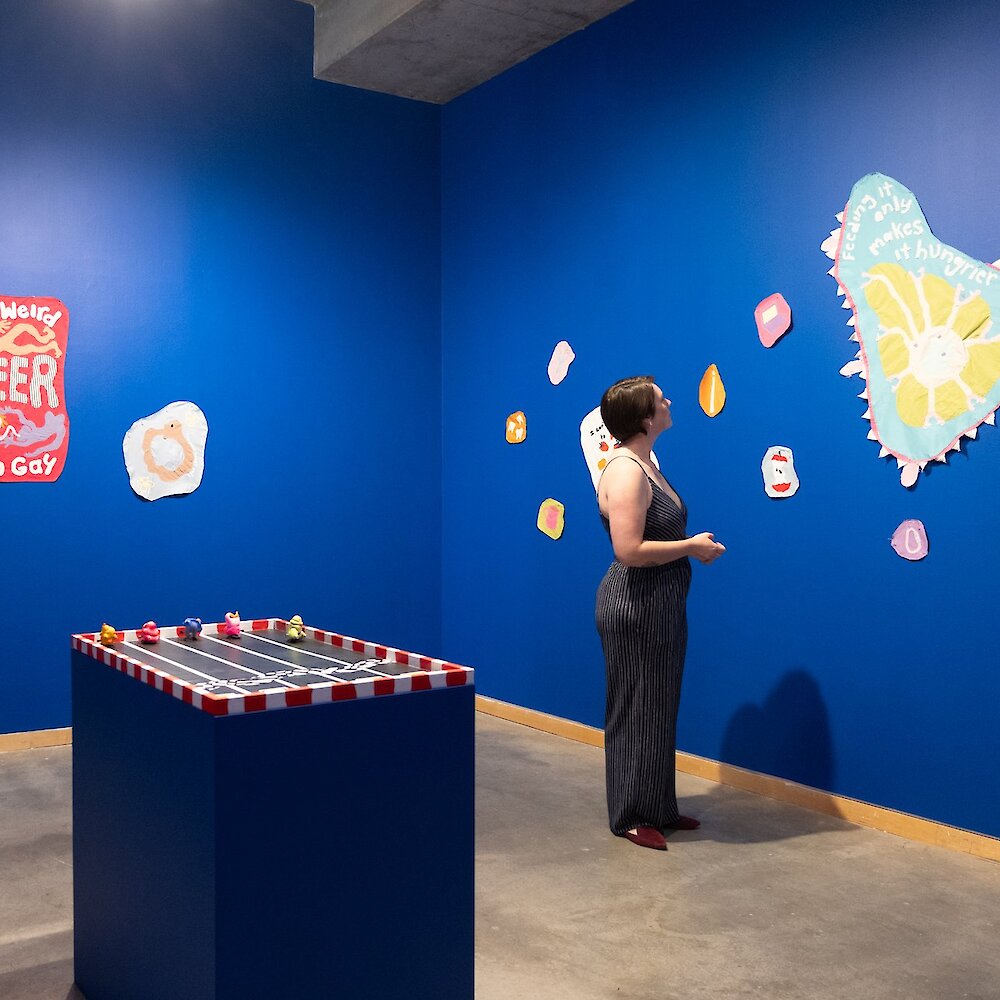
{"x":428,"y":673}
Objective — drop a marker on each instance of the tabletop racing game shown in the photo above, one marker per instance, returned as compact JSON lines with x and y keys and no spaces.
{"x":257,"y":817}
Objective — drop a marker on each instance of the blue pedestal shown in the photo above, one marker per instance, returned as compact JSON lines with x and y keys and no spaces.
{"x":311,"y":852}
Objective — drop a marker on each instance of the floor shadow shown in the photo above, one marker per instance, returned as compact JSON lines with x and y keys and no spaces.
{"x":731,"y":816}
{"x":787,"y":737}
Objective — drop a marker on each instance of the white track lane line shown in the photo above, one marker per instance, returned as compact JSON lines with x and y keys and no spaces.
{"x":309,"y":652}
{"x":237,"y":666}
{"x":285,"y":663}
{"x":285,"y":645}
{"x":145,"y":651}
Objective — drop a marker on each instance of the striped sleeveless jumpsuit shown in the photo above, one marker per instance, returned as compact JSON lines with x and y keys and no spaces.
{"x":642,"y":622}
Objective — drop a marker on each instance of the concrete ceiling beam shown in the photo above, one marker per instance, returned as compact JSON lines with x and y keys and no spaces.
{"x":435,"y":50}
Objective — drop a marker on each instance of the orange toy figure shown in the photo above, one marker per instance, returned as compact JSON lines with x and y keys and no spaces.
{"x":232,"y":623}
{"x":109,"y":635}
{"x":149,"y":632}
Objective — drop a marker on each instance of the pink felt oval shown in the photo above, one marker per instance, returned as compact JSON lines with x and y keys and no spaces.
{"x":910,"y":540}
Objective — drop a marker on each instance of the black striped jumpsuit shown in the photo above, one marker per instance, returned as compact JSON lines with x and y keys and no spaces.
{"x":642,"y":622}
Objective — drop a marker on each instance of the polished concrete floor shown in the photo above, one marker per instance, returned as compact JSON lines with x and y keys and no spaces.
{"x":766,"y":900}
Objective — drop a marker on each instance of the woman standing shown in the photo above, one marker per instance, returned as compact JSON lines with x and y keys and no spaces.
{"x":641,"y":616}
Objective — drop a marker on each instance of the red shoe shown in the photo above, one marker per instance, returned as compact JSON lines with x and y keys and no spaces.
{"x":648,"y":836}
{"x":684,"y":823}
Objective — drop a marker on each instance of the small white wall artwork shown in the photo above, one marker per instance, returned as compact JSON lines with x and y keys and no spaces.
{"x":165,"y":452}
{"x":778,"y":469}
{"x":599,"y":444}
{"x":562,"y":358}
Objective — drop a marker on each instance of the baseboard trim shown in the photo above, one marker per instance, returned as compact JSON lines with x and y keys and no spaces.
{"x":860,"y":813}
{"x":35,"y":739}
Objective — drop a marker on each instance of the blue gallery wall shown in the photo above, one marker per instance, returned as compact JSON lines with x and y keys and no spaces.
{"x":637,"y":189}
{"x":224,"y":229}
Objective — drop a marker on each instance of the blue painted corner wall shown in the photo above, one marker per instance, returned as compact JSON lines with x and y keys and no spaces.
{"x":358,"y":289}
{"x":637,"y":189}
{"x":223,"y":229}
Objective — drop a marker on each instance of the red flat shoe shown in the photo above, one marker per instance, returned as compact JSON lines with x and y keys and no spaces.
{"x":684,"y":823}
{"x":648,"y":836}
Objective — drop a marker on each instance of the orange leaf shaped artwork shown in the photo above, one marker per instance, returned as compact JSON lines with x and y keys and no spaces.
{"x":517,"y":427}
{"x":922,"y":314}
{"x":711,"y":392}
{"x":551,"y":518}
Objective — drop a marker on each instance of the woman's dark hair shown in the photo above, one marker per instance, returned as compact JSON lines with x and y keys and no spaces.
{"x":627,"y":404}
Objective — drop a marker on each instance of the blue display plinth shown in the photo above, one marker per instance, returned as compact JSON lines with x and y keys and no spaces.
{"x":308,"y":852}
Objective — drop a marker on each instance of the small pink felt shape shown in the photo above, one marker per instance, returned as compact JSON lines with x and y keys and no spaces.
{"x":910,"y":540}
{"x":562,"y":358}
{"x":773,"y":316}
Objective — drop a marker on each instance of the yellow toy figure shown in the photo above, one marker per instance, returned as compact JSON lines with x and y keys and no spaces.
{"x":296,"y":630}
{"x":109,"y":635}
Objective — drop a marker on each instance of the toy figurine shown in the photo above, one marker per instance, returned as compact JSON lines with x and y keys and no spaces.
{"x":109,"y":635}
{"x":232,"y":623}
{"x":149,"y":632}
{"x":192,"y":628}
{"x":296,"y":630}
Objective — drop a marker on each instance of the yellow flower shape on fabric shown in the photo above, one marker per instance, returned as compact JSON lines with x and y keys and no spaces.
{"x":932,"y":343}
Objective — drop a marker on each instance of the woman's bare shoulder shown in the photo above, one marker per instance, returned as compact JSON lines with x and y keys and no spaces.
{"x":622,"y":468}
{"x":623,"y":479}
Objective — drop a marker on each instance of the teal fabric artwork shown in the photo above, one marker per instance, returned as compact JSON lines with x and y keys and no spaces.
{"x":922,"y":317}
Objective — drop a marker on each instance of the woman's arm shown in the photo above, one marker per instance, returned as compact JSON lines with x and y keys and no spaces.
{"x":627,"y":495}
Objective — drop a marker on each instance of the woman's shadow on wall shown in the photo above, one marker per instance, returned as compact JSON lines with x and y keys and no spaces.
{"x":787,"y":737}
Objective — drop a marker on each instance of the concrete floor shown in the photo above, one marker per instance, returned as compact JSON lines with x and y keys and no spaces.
{"x":766,"y":900}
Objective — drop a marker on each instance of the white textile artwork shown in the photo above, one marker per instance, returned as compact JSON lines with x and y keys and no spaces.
{"x":599,"y":444}
{"x":165,"y":452}
{"x":778,"y":470}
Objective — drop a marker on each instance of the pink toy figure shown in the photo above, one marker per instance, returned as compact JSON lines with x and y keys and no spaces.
{"x":232,"y":623}
{"x":149,"y":632}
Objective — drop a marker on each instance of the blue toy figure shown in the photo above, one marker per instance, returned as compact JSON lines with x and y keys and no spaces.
{"x":192,"y":628}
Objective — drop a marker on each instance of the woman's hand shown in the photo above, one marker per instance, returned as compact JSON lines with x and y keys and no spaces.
{"x":705,"y":548}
